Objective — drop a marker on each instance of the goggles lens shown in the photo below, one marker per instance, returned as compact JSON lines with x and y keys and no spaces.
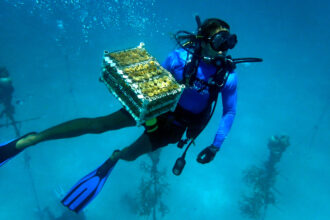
{"x":219,"y":41}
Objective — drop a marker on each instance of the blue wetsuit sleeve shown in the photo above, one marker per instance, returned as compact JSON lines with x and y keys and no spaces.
{"x":229,"y":101}
{"x":167,"y":64}
{"x":175,"y":63}
{"x":171,"y":61}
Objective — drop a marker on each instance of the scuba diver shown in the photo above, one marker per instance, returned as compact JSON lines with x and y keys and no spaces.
{"x":6,"y":93}
{"x":6,"y":96}
{"x":203,"y":66}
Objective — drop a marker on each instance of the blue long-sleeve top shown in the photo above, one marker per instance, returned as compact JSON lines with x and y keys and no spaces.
{"x":196,"y":101}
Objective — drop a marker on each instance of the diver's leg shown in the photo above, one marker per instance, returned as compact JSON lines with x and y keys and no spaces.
{"x":141,"y":146}
{"x":149,"y":141}
{"x":77,"y":127}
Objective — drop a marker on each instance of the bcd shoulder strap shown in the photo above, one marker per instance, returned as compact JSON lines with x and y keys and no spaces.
{"x":215,"y":83}
{"x":190,"y":69}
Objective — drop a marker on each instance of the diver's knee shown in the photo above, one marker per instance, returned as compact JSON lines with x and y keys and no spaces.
{"x":127,"y":155}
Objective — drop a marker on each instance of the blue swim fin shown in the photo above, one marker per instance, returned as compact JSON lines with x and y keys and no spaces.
{"x":8,"y":150}
{"x":88,"y":187}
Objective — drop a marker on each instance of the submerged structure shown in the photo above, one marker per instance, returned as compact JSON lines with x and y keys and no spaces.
{"x":261,"y":180}
{"x":140,"y":83}
{"x":148,"y":201}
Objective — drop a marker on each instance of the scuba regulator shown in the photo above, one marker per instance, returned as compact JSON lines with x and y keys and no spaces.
{"x":220,"y":42}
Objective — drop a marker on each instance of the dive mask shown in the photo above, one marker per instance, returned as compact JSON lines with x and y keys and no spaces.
{"x":222,"y":41}
{"x":5,"y":80}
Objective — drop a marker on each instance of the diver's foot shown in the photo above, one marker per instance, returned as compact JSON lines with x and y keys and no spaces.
{"x":27,"y":141}
{"x":9,"y":149}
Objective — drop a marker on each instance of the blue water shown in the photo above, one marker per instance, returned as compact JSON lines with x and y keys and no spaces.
{"x":53,"y":51}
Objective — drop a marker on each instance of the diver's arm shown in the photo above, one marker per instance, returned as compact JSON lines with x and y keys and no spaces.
{"x":174,"y":63}
{"x":168,"y":63}
{"x":229,"y":101}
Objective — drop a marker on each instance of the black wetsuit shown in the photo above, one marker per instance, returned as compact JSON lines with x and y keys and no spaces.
{"x":6,"y":95}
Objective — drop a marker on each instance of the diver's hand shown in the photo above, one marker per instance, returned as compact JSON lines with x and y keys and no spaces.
{"x":207,"y":155}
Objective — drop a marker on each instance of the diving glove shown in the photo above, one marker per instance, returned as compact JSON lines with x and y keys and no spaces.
{"x":207,"y":155}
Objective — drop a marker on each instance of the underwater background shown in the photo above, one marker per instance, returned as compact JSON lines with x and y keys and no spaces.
{"x":53,"y":51}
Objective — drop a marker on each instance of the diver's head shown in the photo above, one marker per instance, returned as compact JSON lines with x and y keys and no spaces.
{"x":215,"y":37}
{"x":4,"y":76}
